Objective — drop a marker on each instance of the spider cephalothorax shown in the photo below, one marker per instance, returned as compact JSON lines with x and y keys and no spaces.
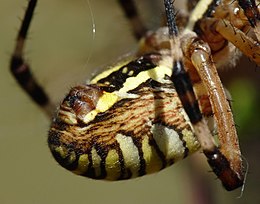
{"x":152,"y":110}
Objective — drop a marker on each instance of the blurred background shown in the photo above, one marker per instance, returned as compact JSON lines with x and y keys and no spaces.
{"x":63,"y":51}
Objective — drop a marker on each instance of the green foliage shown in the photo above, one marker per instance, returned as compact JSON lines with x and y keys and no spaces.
{"x":245,"y":106}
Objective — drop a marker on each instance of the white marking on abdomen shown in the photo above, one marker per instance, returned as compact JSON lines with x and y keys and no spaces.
{"x":168,"y":141}
{"x":130,"y":153}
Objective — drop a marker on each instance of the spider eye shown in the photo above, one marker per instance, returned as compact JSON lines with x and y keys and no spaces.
{"x":79,"y":102}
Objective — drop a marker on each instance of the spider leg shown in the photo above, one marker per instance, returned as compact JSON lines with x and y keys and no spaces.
{"x":226,"y":164}
{"x":21,"y":70}
{"x":131,"y":13}
{"x":247,"y":45}
{"x":252,"y":13}
{"x":219,"y":25}
{"x":225,"y":160}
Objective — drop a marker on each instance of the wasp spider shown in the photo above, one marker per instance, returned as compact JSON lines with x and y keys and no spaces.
{"x":153,"y":109}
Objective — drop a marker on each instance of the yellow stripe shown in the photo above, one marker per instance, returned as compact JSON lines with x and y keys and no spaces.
{"x":109,"y":71}
{"x":130,"y":153}
{"x":107,"y":100}
{"x":96,"y":160}
{"x":83,"y":163}
{"x":104,"y":103}
{"x":152,"y":160}
{"x":191,"y":143}
{"x":158,"y":73}
{"x":113,"y":168}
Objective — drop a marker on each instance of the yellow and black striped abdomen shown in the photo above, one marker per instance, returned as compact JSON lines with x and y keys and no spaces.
{"x":113,"y":129}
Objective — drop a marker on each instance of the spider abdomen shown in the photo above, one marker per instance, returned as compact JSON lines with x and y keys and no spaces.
{"x":127,"y":130}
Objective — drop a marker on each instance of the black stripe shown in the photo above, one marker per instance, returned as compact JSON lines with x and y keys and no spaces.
{"x":117,"y":79}
{"x":221,"y":167}
{"x":186,"y":149}
{"x":21,"y":70}
{"x":121,"y":161}
{"x":53,"y":142}
{"x":22,"y":73}
{"x":90,"y":171}
{"x":183,"y":85}
{"x":64,"y":162}
{"x":138,"y":144}
{"x":102,"y":153}
{"x":153,"y":143}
